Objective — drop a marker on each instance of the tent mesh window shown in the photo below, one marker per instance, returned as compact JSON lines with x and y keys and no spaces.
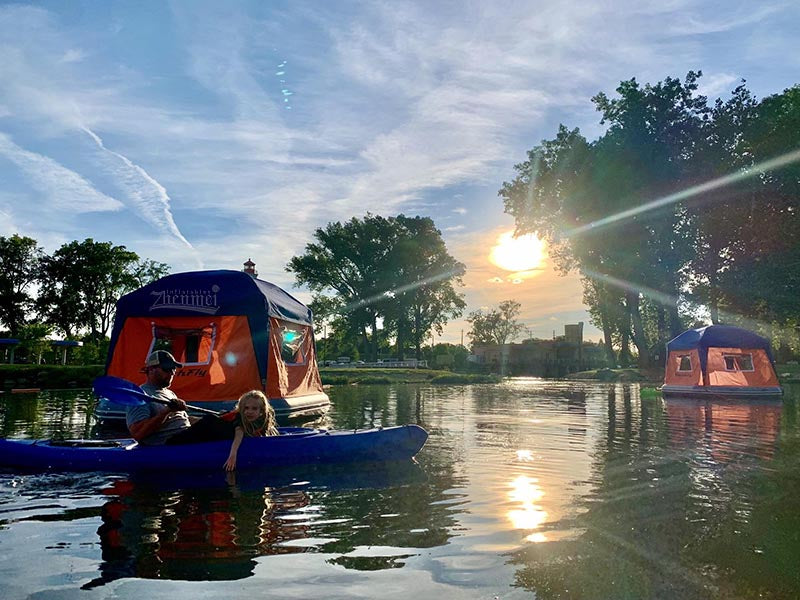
{"x":186,"y":344}
{"x":738,"y":362}
{"x":292,"y":338}
{"x":686,"y":363}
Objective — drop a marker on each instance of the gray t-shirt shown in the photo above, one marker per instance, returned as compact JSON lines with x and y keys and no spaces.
{"x":177,"y":421}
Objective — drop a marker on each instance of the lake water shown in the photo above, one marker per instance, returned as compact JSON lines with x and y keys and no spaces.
{"x":525,"y":489}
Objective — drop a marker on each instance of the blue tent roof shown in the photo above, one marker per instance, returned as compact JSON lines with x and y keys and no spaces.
{"x":222,"y":292}
{"x":718,"y":336}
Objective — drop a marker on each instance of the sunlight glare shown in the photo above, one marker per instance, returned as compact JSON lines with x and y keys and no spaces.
{"x":516,"y":254}
{"x":527,"y":492}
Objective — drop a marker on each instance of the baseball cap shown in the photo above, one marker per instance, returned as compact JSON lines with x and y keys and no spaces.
{"x":163,"y":359}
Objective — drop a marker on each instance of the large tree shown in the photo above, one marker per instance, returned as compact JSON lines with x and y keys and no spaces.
{"x":604,"y":205}
{"x":421,"y":277}
{"x":82,"y":281}
{"x":19,"y":265}
{"x":394,"y":270}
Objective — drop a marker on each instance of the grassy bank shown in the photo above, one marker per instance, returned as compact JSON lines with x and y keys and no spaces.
{"x":61,"y":377}
{"x":373,"y":376}
{"x":787,"y":373}
{"x":48,"y":376}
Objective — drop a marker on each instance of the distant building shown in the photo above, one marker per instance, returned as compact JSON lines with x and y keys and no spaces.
{"x":543,"y":358}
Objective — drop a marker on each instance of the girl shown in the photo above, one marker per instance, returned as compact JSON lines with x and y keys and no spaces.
{"x":252,"y":417}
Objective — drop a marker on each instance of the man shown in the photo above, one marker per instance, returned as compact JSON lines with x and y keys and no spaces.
{"x":153,"y":423}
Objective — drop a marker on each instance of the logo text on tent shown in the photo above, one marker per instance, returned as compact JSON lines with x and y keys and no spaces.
{"x":202,"y":301}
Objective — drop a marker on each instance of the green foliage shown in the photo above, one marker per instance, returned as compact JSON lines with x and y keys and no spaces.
{"x":496,"y":326}
{"x":630,"y":211}
{"x":34,"y":340}
{"x":394,"y":269}
{"x":19,"y":263}
{"x":81,"y":282}
{"x":48,"y":376}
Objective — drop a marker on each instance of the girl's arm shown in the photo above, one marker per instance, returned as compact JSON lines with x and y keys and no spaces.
{"x":230,"y":464}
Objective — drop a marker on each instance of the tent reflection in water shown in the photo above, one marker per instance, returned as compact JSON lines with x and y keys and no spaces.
{"x":231,"y":331}
{"x":720,"y":361}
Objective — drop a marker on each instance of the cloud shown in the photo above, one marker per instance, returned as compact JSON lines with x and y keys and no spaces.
{"x":64,"y":189}
{"x":715,"y":85}
{"x":146,"y":194}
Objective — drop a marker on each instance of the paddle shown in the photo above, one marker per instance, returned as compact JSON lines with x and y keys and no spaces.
{"x":122,"y":391}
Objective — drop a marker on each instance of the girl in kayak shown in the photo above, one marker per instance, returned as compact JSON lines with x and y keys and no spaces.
{"x":252,"y":417}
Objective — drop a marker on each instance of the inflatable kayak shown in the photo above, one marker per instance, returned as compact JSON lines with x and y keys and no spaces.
{"x":295,"y":445}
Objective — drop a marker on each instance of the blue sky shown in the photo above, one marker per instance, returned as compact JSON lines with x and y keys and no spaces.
{"x":203,"y":133}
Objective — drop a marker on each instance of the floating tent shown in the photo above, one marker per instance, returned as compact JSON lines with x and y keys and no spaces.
{"x":720,"y":361}
{"x":231,"y":331}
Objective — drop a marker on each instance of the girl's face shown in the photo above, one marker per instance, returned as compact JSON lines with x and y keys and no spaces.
{"x":251,"y":409}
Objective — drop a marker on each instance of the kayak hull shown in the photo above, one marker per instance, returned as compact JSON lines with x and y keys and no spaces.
{"x":294,"y":446}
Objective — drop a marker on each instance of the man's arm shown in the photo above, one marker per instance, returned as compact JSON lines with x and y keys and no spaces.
{"x":147,"y":427}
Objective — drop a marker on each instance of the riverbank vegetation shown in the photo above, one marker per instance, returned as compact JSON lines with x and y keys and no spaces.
{"x":680,"y":211}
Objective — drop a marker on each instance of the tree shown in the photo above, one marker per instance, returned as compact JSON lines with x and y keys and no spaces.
{"x":585,"y":198}
{"x":19,"y":263}
{"x":344,"y":261}
{"x":396,"y":269}
{"x":496,"y":326}
{"x":82,"y":281}
{"x":421,"y":277}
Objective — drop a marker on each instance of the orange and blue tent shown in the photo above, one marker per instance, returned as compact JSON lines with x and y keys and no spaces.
{"x":720,"y":360}
{"x":231,"y":331}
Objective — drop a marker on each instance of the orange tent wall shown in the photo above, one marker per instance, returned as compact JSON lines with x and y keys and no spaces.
{"x":291,"y":379}
{"x":762,"y":375}
{"x":232,"y":369}
{"x":672,"y":376}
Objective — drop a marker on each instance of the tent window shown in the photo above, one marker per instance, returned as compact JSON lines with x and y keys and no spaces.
{"x":686,"y":363}
{"x":192,"y":347}
{"x":292,"y":338}
{"x":738,"y":362}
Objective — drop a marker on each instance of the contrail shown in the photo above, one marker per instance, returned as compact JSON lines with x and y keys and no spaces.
{"x":156,"y":209}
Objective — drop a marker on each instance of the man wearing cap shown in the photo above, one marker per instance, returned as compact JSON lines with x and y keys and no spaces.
{"x":152,"y":424}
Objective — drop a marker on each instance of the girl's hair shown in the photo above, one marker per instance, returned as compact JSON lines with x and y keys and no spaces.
{"x":270,"y":421}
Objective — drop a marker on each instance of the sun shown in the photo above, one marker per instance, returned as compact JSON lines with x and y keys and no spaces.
{"x":523,"y":253}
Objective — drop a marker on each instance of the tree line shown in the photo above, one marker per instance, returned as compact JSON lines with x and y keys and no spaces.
{"x":380,"y":279}
{"x":72,"y":292}
{"x":681,"y":211}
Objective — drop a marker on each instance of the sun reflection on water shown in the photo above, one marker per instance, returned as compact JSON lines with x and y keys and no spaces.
{"x":527,"y":492}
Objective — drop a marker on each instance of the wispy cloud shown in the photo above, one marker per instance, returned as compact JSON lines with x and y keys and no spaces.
{"x":65,"y":189}
{"x":148,"y":196}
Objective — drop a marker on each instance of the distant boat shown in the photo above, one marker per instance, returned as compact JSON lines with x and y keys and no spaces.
{"x":720,"y":361}
{"x":231,"y":331}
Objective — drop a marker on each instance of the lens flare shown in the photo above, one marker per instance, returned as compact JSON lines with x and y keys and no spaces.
{"x":517,"y":254}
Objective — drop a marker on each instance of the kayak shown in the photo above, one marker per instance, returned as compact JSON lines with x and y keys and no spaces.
{"x":295,"y":445}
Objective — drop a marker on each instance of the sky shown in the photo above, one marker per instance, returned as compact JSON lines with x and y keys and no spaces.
{"x":201,"y":134}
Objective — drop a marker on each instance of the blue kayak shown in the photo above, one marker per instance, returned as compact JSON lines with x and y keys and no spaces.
{"x":295,"y":445}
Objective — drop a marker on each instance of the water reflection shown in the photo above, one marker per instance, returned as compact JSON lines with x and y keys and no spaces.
{"x":725,"y":430}
{"x":665,"y":518}
{"x":526,"y":492}
{"x":558,"y":489}
{"x":213,"y":527}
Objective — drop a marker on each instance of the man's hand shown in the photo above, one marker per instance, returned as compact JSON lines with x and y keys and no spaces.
{"x":176,"y":405}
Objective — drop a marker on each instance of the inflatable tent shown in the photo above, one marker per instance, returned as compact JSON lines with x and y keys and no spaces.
{"x":231,"y":331}
{"x":720,"y":361}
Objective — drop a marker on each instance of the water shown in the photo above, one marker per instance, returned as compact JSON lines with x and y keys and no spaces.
{"x":525,"y":489}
